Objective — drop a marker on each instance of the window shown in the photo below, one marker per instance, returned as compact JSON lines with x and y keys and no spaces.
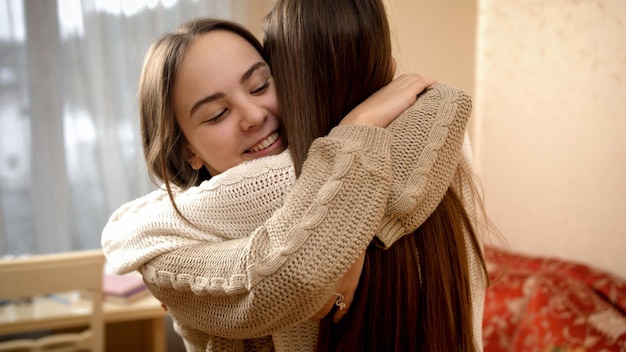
{"x":70,"y":152}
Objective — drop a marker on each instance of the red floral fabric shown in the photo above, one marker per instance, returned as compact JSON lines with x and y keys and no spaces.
{"x":547,"y":304}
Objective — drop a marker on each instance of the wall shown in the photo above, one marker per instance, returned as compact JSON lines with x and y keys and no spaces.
{"x":251,"y":13}
{"x":551,"y":108}
{"x":548,"y":79}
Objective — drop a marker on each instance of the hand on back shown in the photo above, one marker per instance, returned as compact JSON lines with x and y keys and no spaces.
{"x":382,"y":107}
{"x":346,"y":289}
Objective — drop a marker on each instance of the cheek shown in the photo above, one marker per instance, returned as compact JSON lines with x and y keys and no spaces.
{"x":272,"y":103}
{"x":220,"y":149}
{"x":207,"y":144}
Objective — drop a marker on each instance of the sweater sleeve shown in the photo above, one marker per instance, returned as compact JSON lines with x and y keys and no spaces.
{"x":228,"y":207}
{"x":287,"y":269}
{"x":424,"y":160}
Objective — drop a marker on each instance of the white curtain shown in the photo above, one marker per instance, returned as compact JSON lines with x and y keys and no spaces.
{"x":70,"y":152}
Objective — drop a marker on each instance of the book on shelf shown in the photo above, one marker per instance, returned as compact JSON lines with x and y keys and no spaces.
{"x":123,"y":288}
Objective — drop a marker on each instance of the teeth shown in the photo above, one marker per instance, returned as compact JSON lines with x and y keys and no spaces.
{"x":266,"y":143}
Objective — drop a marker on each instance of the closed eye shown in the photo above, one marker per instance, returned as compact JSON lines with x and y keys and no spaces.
{"x":261,"y":89}
{"x":217,"y":117}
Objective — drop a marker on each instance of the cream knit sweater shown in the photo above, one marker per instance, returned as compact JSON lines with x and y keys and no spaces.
{"x":265,"y":252}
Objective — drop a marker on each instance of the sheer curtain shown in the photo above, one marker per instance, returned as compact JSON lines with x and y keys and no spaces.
{"x":70,"y":152}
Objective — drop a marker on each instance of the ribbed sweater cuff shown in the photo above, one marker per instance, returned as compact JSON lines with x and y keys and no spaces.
{"x":370,"y":138}
{"x":390,"y":229}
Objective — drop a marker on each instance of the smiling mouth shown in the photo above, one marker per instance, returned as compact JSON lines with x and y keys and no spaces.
{"x":265,"y":143}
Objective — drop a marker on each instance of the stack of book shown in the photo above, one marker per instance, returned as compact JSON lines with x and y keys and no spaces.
{"x":123,"y":289}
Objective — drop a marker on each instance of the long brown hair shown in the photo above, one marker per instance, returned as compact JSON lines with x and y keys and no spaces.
{"x":312,"y":55}
{"x":328,"y":56}
{"x":163,"y":140}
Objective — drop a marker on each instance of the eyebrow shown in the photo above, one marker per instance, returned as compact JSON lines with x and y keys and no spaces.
{"x":251,"y":70}
{"x":246,"y":75}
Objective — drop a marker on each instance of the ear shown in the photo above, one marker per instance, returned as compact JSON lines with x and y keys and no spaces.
{"x":194,"y":161}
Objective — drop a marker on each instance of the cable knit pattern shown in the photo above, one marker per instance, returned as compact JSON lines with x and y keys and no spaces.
{"x":421,"y":179}
{"x":251,"y":265}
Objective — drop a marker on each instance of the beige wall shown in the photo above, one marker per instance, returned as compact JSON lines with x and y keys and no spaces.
{"x":551,"y":121}
{"x":549,"y":127}
{"x":250,"y":13}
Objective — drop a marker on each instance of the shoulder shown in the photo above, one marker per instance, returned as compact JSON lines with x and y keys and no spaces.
{"x":251,"y":170}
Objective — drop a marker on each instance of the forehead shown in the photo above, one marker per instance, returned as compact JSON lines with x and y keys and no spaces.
{"x":222,"y":41}
{"x":214,"y":62}
{"x":219,"y":50}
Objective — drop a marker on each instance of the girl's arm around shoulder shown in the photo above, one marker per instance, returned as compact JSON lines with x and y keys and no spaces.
{"x":425,"y":153}
{"x":287,"y":269}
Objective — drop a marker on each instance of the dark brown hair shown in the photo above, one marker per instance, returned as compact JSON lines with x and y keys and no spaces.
{"x":328,"y":56}
{"x":312,"y":54}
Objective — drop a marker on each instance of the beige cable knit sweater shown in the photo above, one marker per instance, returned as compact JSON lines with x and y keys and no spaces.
{"x":259,"y":261}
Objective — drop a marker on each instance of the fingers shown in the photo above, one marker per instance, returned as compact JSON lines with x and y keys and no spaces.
{"x":340,"y":302}
{"x":343,"y":297}
{"x":382,"y":107}
{"x":342,"y":307}
{"x":414,"y":81}
{"x":347,"y":288}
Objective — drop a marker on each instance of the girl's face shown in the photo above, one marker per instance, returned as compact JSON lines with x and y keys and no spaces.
{"x":225,"y":103}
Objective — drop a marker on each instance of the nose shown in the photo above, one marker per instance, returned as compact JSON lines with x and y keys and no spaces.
{"x":252,"y":115}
